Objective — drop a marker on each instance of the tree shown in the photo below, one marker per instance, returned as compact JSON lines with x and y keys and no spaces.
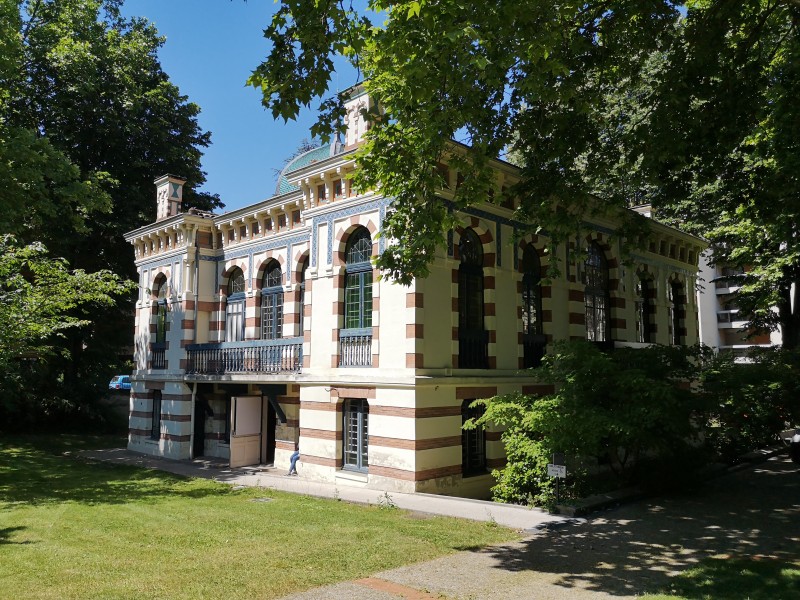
{"x":625,"y":411}
{"x":528,"y":74}
{"x":603,"y":103}
{"x":38,"y":297}
{"x":732,"y":136}
{"x":87,"y":120}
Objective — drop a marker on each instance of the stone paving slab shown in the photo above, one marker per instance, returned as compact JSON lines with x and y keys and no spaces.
{"x":508,"y":515}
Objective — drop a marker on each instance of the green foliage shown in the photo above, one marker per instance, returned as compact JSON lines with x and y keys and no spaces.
{"x":602,"y":103}
{"x":526,"y":75}
{"x":726,"y":120}
{"x":39,"y":298}
{"x":749,"y":404}
{"x":619,"y":410}
{"x":87,"y":120}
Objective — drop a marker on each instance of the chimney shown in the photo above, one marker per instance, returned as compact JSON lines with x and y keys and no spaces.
{"x":169,"y":195}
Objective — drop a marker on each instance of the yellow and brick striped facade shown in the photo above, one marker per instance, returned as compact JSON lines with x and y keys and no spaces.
{"x":410,"y":376}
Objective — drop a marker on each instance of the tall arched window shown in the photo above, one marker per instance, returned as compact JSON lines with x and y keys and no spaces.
{"x":472,"y":338}
{"x":302,"y":299}
{"x":596,"y":295}
{"x":358,"y":283}
{"x":675,"y":311}
{"x":533,"y":340}
{"x":473,"y":442}
{"x":644,"y":310}
{"x":356,"y":435}
{"x":355,"y":339}
{"x":160,"y":292}
{"x":234,"y":309}
{"x":272,"y":302}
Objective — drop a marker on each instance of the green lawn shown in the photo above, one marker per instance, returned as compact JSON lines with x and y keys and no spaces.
{"x":734,"y":579}
{"x":70,"y":529}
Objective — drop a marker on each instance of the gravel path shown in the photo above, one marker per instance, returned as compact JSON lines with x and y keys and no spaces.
{"x":621,"y":553}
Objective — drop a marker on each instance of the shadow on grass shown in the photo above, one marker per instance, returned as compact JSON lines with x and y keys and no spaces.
{"x":752,"y":579}
{"x":7,"y":532}
{"x":750,"y":518}
{"x":32,"y":476}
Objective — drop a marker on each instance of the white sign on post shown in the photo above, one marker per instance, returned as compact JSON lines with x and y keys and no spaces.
{"x":559,"y":471}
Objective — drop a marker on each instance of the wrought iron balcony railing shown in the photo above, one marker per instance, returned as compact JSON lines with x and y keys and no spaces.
{"x":283,"y":355}
{"x":355,"y":347}
{"x":158,"y":356}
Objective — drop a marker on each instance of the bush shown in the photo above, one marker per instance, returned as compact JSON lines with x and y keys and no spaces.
{"x":609,"y":410}
{"x":750,"y":403}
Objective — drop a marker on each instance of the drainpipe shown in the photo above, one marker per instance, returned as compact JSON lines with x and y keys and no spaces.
{"x":196,"y":285}
{"x":191,"y":421}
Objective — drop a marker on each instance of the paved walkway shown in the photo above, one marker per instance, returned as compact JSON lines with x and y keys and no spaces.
{"x":753,"y":513}
{"x":516,"y":517}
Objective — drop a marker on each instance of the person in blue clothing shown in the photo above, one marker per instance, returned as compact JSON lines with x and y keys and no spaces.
{"x":293,"y":461}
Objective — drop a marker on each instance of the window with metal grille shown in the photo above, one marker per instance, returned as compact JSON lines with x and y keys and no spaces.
{"x":472,"y":338}
{"x":533,"y":340}
{"x":161,"y":310}
{"x":596,"y":294}
{"x":675,"y":312}
{"x":358,"y":281}
{"x":272,"y":302}
{"x":155,"y":418}
{"x":473,"y":442}
{"x":234,"y":309}
{"x":643,"y":310}
{"x":356,"y":435}
{"x":303,"y":269}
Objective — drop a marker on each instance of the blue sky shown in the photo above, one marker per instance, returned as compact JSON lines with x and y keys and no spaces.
{"x":211,"y":47}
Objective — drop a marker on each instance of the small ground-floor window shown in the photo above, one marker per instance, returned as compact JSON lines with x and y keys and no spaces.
{"x":473,"y":442}
{"x":356,"y":435}
{"x":155,"y":423}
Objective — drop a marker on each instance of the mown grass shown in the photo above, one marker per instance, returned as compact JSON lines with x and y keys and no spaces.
{"x":735,"y":579}
{"x":70,"y":529}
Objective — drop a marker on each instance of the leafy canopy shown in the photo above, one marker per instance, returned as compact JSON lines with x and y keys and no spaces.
{"x":522,"y":74}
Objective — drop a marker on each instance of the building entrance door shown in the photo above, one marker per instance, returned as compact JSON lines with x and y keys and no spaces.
{"x":245,"y":430}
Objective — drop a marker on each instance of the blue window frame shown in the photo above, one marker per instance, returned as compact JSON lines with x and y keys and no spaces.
{"x":235,"y":307}
{"x":356,"y":435}
{"x":155,"y":417}
{"x":358,"y":281}
{"x":272,"y":302}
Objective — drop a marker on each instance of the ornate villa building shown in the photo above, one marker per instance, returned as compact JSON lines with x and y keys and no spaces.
{"x":267,"y":327}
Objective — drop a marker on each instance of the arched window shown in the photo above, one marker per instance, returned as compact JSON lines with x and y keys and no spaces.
{"x":155,"y":417}
{"x":533,"y":340}
{"x":596,"y":296}
{"x":675,"y":312}
{"x":302,"y":299}
{"x":472,"y":338}
{"x":644,"y":310}
{"x":356,"y":435}
{"x":473,"y":442}
{"x":160,"y":292}
{"x":234,"y":309}
{"x":358,"y":281}
{"x":272,"y":302}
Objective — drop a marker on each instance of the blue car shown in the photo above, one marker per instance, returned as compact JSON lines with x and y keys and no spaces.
{"x":120,"y":382}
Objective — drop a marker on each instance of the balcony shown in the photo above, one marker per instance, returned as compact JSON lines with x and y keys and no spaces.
{"x":355,"y":347}
{"x":158,"y":356}
{"x":260,"y":356}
